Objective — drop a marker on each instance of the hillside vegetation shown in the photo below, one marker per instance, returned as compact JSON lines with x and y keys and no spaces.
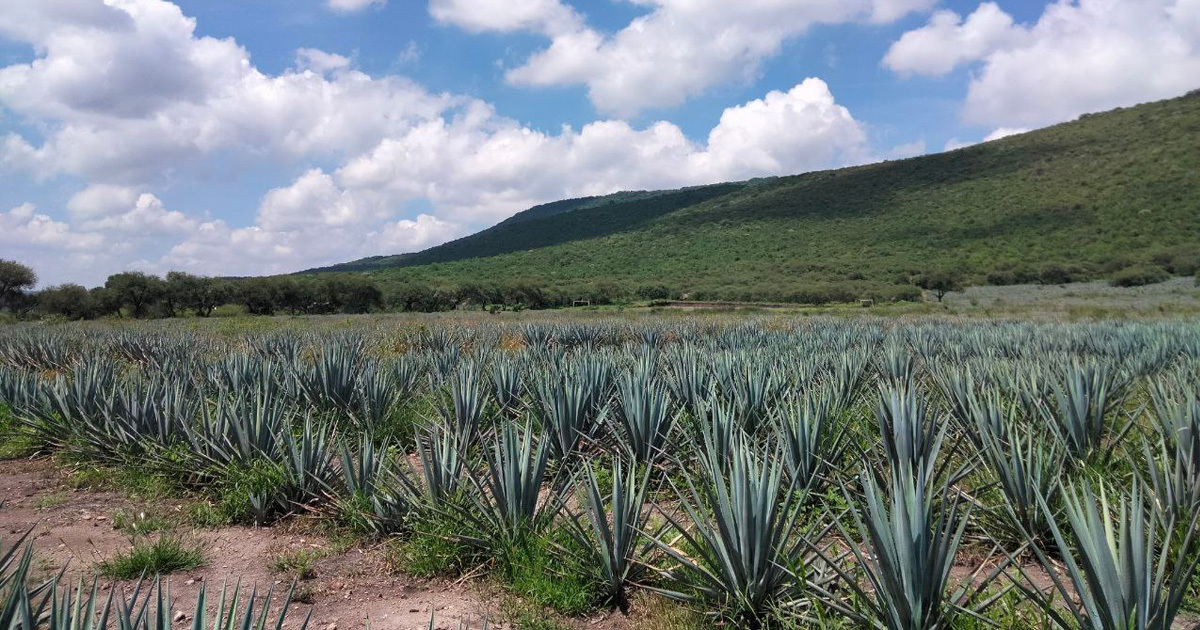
{"x":1081,"y":200}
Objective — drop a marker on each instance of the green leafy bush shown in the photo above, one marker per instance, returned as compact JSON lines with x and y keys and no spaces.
{"x":1139,"y":276}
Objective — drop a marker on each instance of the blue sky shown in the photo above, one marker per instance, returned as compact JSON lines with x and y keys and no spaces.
{"x":266,"y":136}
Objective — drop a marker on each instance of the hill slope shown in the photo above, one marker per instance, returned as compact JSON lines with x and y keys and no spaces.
{"x":552,"y":224}
{"x":1077,"y":200}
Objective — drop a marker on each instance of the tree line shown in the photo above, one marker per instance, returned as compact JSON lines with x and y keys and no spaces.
{"x":136,"y":294}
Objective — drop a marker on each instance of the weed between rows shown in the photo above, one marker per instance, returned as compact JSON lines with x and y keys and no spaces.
{"x":159,"y":555}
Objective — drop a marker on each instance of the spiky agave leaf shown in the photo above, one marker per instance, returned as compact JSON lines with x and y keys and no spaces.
{"x":372,"y":475}
{"x":506,"y":502}
{"x":1129,"y":566}
{"x":149,"y":607}
{"x":809,"y":446}
{"x":612,"y":526}
{"x":643,"y":418}
{"x":744,"y":547}
{"x":508,"y":385}
{"x":565,"y":408}
{"x":1023,"y":465}
{"x":467,"y":402}
{"x":906,"y":542}
{"x":1082,"y":403}
{"x":911,"y":436}
{"x":443,"y":460}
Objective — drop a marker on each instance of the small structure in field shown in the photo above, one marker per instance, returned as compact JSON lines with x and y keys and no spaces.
{"x":867,"y":303}
{"x":581,"y":303}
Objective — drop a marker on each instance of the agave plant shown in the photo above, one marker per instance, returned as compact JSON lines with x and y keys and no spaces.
{"x":1175,"y":474}
{"x":741,"y":530}
{"x":1129,"y":565}
{"x":242,"y":429}
{"x":331,"y":383}
{"x":375,"y":398}
{"x":911,"y":436}
{"x":21,"y":601}
{"x":716,"y":430}
{"x":809,"y":446}
{"x":565,"y":410}
{"x":643,"y":418}
{"x":897,"y":366}
{"x":508,"y":385}
{"x":370,"y":476}
{"x":506,"y":502}
{"x":149,"y":607}
{"x":688,"y":378}
{"x":443,"y":460}
{"x":612,"y":527}
{"x":1082,"y":404}
{"x":1026,"y":470}
{"x":905,"y":547}
{"x":465,"y":409}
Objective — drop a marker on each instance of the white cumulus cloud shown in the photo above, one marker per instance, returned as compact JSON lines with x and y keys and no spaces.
{"x":352,"y":6}
{"x":1080,"y":56}
{"x":948,"y":41}
{"x":676,"y":51}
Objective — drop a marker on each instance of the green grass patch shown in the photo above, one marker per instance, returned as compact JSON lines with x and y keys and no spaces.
{"x":16,"y":441}
{"x":50,"y":501}
{"x":547,"y":570}
{"x":207,"y":515}
{"x":300,"y":564}
{"x":247,"y":493}
{"x":158,"y":556}
{"x":523,"y":615}
{"x":137,"y":483}
{"x":433,"y":549}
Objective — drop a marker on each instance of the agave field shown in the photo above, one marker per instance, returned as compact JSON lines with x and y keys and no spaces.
{"x":797,"y":472}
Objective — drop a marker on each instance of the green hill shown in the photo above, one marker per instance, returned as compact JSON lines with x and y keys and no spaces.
{"x":1079,"y":200}
{"x":552,"y":224}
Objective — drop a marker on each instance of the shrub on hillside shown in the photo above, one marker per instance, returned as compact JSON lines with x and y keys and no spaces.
{"x":1139,"y":276}
{"x":1054,"y":273}
{"x":655,"y":292}
{"x":1181,"y":261}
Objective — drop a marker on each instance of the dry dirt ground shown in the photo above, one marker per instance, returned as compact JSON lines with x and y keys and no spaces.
{"x":74,"y":528}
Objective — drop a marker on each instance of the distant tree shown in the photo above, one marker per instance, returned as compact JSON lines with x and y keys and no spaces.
{"x":174,"y":292}
{"x":298,"y":297}
{"x":68,"y":300}
{"x":136,"y":290}
{"x":414,"y":297}
{"x":198,"y":293}
{"x":940,"y":282}
{"x":260,"y":296}
{"x":348,"y":293}
{"x":207,"y":294}
{"x":654,"y":292}
{"x":104,"y":302}
{"x":358,"y":294}
{"x":15,"y":281}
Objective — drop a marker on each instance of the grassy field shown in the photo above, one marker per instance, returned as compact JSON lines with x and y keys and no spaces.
{"x":1078,"y":201}
{"x":619,"y":470}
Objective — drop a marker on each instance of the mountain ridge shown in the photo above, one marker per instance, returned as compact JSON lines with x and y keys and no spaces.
{"x":1076,"y":200}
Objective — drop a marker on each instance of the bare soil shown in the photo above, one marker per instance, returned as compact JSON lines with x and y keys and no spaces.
{"x":74,"y":529}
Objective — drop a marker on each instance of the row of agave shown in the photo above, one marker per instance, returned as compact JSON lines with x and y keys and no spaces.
{"x":764,"y":470}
